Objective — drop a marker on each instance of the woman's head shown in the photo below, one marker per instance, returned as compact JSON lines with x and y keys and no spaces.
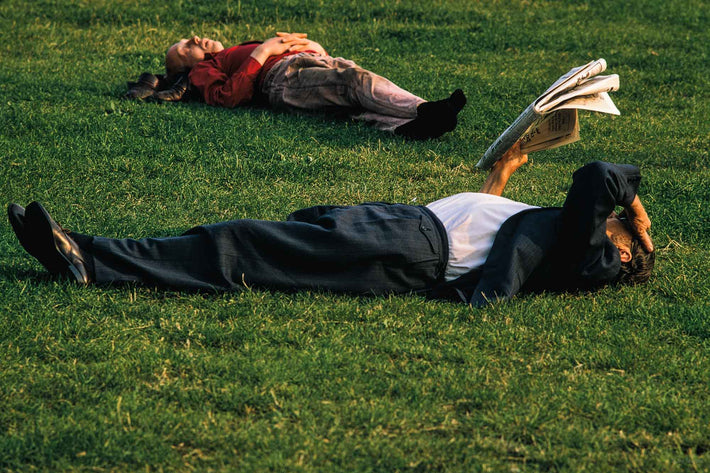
{"x":184,"y":54}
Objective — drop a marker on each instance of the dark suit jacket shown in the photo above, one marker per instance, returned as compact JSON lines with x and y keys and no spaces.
{"x":554,"y":248}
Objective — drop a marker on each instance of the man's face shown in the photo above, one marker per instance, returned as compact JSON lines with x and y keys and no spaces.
{"x":187,"y":52}
{"x":620,"y":235}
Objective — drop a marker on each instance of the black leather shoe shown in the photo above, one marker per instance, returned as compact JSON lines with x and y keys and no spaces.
{"x":144,"y":87}
{"x":178,"y":90}
{"x":51,"y":245}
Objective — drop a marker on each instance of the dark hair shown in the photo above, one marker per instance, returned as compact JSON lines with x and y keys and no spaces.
{"x":638,"y":269}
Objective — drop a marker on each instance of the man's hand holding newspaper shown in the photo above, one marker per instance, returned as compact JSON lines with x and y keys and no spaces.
{"x":551,"y":120}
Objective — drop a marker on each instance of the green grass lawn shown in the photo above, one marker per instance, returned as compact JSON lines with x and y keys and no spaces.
{"x":131,"y":378}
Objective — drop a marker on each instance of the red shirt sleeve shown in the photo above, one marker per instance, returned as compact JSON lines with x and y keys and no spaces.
{"x":228,"y":78}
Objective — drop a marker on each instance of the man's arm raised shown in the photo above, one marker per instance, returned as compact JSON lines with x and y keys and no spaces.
{"x":503,"y":169}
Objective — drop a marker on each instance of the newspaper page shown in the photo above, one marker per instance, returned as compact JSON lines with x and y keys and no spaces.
{"x":541,"y":127}
{"x":550,"y":131}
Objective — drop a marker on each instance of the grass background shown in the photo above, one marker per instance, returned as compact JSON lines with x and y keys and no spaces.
{"x":133,"y":378}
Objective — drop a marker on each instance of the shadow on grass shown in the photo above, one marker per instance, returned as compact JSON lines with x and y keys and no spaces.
{"x":20,"y":273}
{"x":334,"y":127}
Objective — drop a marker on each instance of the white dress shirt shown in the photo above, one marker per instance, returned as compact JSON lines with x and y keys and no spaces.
{"x":472,"y":220}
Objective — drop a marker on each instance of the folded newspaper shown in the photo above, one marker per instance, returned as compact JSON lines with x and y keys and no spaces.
{"x":551,"y":120}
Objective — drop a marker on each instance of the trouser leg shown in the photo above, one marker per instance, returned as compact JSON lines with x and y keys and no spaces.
{"x":186,"y":261}
{"x":373,"y":248}
{"x":321,"y":83}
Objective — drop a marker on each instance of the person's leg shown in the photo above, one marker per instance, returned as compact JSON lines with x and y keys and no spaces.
{"x":373,"y":248}
{"x":322,"y":83}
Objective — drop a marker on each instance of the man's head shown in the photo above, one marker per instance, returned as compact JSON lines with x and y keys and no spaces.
{"x":184,"y":54}
{"x":636,"y":263}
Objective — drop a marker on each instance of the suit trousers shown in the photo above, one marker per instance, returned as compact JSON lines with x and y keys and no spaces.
{"x":372,"y":248}
{"x":312,"y":83}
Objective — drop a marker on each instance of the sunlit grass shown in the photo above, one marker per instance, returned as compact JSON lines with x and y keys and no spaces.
{"x":132,"y":378}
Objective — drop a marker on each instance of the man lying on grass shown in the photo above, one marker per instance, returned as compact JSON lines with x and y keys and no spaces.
{"x":291,"y":72}
{"x":474,"y":247}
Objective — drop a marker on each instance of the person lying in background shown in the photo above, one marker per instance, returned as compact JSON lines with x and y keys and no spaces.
{"x":291,"y":72}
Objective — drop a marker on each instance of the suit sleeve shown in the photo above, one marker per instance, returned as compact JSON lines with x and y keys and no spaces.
{"x":597,"y":189}
{"x":519,"y":248}
{"x":224,"y":90}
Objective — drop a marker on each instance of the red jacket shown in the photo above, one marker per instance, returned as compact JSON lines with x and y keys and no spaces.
{"x":230,"y":77}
